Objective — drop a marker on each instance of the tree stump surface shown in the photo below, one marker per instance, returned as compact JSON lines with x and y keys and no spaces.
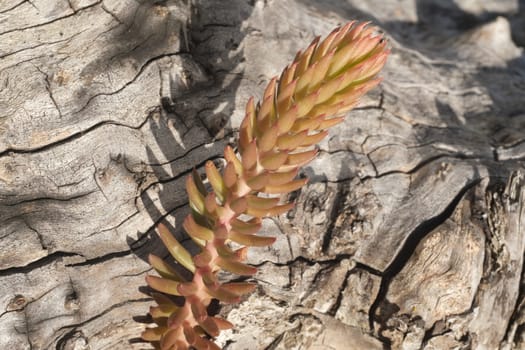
{"x":409,"y":235}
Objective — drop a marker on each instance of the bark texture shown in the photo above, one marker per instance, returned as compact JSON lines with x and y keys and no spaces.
{"x":410,"y":234}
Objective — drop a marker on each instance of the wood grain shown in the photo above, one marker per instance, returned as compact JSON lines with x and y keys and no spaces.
{"x":409,"y":234}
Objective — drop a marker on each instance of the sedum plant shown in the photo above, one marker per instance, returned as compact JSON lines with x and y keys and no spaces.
{"x":276,"y":138}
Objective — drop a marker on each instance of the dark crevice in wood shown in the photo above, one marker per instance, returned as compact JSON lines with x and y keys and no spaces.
{"x":72,"y":137}
{"x":429,"y":160}
{"x":101,"y":259}
{"x":227,"y":345}
{"x":342,"y":190}
{"x":66,"y":199}
{"x":276,"y":342}
{"x":301,"y":259}
{"x":369,"y":269}
{"x":333,"y":310}
{"x":116,"y":226}
{"x":408,"y":248}
{"x":48,"y":259}
{"x":182,"y":156}
{"x":61,"y":343}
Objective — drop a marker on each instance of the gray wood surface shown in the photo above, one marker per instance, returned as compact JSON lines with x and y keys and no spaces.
{"x":409,"y":235}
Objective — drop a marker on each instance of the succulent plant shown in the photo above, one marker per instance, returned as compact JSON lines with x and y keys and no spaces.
{"x":276,"y":137}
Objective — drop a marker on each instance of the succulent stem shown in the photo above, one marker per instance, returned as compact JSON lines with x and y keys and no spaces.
{"x":276,"y":138}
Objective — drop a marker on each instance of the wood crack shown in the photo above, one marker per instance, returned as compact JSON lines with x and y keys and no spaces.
{"x":14,"y":6}
{"x":59,"y":199}
{"x":74,"y":136}
{"x":101,"y":259}
{"x":139,"y":73}
{"x":409,"y":246}
{"x":52,"y":21}
{"x":46,"y":260}
{"x":37,"y":46}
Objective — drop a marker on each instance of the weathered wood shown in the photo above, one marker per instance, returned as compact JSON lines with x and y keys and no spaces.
{"x":409,"y":234}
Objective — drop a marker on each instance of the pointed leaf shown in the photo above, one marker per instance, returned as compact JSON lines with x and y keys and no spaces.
{"x":246,"y":130}
{"x":223,"y":295}
{"x":230,"y":175}
{"x":267,"y":141}
{"x":225,"y":252}
{"x":261,"y":202}
{"x":164,"y":269}
{"x":195,"y":196}
{"x":299,"y":159}
{"x":274,"y":211}
{"x":210,"y":203}
{"x":266,"y":112}
{"x":239,"y":205}
{"x":153,"y":334}
{"x":285,"y":97}
{"x":304,"y":59}
{"x":222,"y":324}
{"x":251,"y":240}
{"x":287,"y":120}
{"x":286,"y":188}
{"x":195,"y":230}
{"x":332,"y":40}
{"x":240,"y":254}
{"x":246,"y":227}
{"x":215,"y":179}
{"x":291,"y":141}
{"x":158,"y":312}
{"x":307,"y":123}
{"x":163,"y":285}
{"x":249,"y":156}
{"x":288,"y":75}
{"x":314,"y":139}
{"x":175,"y":248}
{"x":321,"y":71}
{"x":230,"y":156}
{"x":210,"y":327}
{"x":274,"y":160}
{"x":307,"y":103}
{"x":282,"y":177}
{"x":235,"y":267}
{"x":240,"y":288}
{"x":328,"y":123}
{"x":280,"y":209}
{"x":258,"y":182}
{"x":198,"y":182}
{"x":330,"y":88}
{"x":304,"y":81}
